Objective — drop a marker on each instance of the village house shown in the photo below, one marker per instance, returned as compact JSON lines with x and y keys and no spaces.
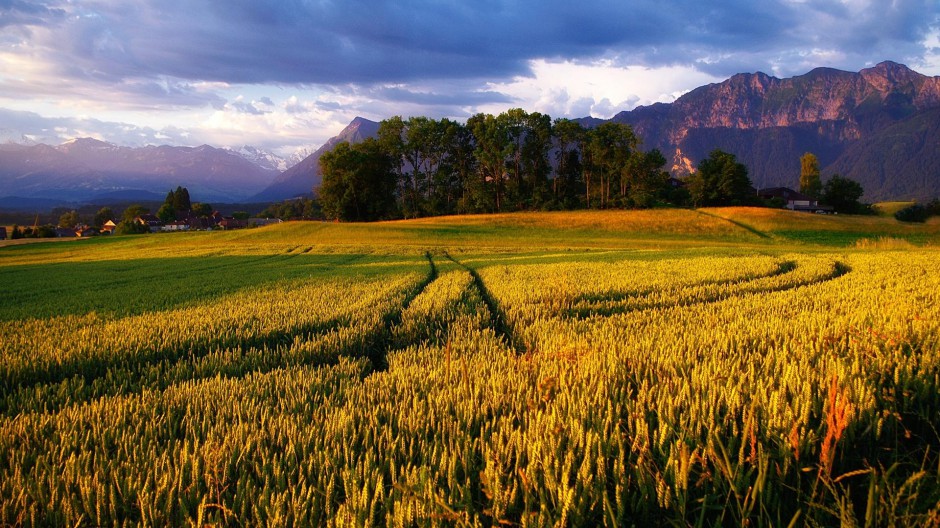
{"x":675,"y":183}
{"x":84,"y":231}
{"x":151,"y":221}
{"x":108,"y":227}
{"x":176,"y":225}
{"x":232,"y":223}
{"x":794,"y":200}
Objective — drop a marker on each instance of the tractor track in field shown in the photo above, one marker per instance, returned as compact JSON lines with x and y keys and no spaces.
{"x":585,"y":310}
{"x":383,"y":341}
{"x":160,"y":368}
{"x":502,"y":328}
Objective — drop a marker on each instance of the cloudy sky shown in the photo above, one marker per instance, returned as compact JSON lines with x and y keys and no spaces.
{"x":288,"y":74}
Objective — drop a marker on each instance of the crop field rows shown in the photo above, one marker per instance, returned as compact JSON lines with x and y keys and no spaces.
{"x":462,"y":387}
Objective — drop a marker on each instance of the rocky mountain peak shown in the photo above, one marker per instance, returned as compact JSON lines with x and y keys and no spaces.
{"x":890,"y":73}
{"x":357,"y":130}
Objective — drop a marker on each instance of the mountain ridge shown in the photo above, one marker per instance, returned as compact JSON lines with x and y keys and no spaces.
{"x":768,"y":123}
{"x":82,"y":168}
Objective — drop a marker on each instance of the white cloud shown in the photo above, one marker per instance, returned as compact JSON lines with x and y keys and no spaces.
{"x":282,"y":123}
{"x":600,"y":89}
{"x":930,"y":65}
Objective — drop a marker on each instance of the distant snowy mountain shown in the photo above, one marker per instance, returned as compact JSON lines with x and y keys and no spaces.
{"x":8,"y":136}
{"x":302,"y":177}
{"x":262,"y":158}
{"x":269,"y":160}
{"x":298,"y":156}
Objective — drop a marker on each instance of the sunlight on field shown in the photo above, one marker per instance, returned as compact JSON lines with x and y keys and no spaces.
{"x":456,"y":371}
{"x":841,"y":230}
{"x":889,"y":208}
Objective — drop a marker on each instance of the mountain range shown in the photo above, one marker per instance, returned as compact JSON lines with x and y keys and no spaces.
{"x":86,"y":170}
{"x":879,"y":126}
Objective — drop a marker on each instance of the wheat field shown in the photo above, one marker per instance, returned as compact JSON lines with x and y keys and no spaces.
{"x":420,"y":375}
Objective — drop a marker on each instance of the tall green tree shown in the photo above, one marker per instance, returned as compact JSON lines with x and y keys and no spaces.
{"x":463,"y":165}
{"x":418,"y":143}
{"x":358,"y":182}
{"x":201,"y":210}
{"x":102,"y":216}
{"x":513,"y":122}
{"x":166,"y":213}
{"x":427,"y":153}
{"x":810,"y":183}
{"x":843,"y":194}
{"x":69,"y":219}
{"x":446,"y":179}
{"x":568,"y":185}
{"x":493,"y":146}
{"x":644,"y":181}
{"x":181,"y":202}
{"x":610,"y":146}
{"x":391,"y":139}
{"x":720,"y":180}
{"x":132,"y":212}
{"x":536,"y":166}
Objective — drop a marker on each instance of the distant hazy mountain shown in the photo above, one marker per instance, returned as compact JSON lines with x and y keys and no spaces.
{"x":269,"y":160}
{"x":878,"y":126}
{"x":85,"y":168}
{"x":262,"y":158}
{"x":300,"y":179}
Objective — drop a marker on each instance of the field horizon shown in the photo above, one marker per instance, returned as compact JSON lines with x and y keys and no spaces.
{"x":584,"y":228}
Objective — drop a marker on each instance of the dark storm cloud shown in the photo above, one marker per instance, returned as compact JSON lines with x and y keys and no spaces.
{"x":327,"y":42}
{"x":381,"y":42}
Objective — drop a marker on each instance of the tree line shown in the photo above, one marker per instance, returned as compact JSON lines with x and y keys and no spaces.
{"x":508,"y":162}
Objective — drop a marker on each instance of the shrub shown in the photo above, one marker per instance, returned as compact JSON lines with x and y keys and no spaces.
{"x":933,"y":207}
{"x":126,"y":227}
{"x":913,"y":213}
